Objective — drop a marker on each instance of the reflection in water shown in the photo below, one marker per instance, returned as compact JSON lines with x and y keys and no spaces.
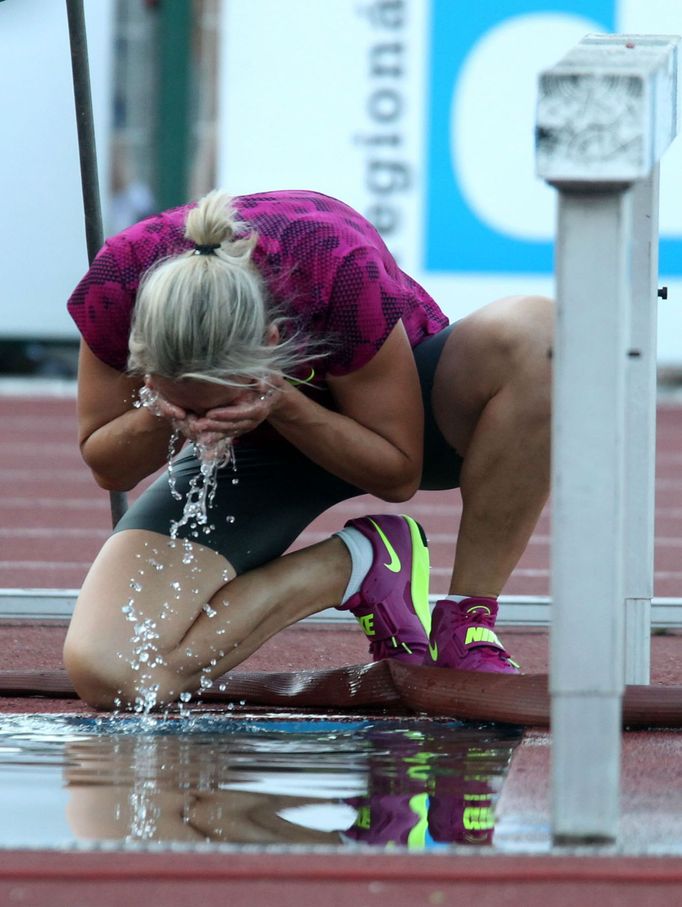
{"x":430,"y":787}
{"x":411,"y":783}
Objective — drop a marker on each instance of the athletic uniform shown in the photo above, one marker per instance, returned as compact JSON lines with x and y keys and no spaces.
{"x":328,"y":269}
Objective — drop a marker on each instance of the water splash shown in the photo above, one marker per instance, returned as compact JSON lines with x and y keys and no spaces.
{"x":213,"y":454}
{"x":148,"y":398}
{"x":145,"y":656}
{"x":205,"y":681}
{"x":172,"y":482}
{"x":203,"y":486}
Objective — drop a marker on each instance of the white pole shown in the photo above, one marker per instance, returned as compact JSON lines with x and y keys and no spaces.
{"x":586,"y":676}
{"x":606,"y":114}
{"x":640,"y":450}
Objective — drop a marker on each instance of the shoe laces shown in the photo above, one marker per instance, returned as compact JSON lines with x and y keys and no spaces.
{"x":479,"y":614}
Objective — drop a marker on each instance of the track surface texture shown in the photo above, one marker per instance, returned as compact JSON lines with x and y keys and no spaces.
{"x":55,"y":520}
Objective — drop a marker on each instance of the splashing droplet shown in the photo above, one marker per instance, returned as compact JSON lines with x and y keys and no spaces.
{"x":203,"y":486}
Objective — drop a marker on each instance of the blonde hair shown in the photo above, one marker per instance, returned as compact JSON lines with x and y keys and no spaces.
{"x":208,"y":316}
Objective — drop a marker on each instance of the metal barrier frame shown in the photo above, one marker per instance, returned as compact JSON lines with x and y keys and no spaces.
{"x":519,"y":611}
{"x":606,"y":113}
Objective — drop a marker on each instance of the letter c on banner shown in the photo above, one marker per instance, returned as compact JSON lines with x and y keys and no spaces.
{"x":485,"y":211}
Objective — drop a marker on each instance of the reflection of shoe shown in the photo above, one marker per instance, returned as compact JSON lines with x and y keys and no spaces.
{"x":431,"y":789}
{"x":391,"y":821}
{"x":462,"y":808}
{"x":462,"y":637}
{"x":392,"y":605}
{"x":465,"y":819}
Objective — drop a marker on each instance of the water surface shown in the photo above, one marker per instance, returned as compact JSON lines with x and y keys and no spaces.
{"x":200,"y":779}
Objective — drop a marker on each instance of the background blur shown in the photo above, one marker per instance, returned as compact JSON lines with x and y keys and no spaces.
{"x":417,"y":112}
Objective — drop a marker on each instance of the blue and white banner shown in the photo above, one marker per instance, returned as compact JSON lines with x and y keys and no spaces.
{"x":481,"y":187}
{"x":420,"y":113}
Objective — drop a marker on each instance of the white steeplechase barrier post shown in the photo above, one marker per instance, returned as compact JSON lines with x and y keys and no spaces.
{"x":606,"y":113}
{"x":640,"y":431}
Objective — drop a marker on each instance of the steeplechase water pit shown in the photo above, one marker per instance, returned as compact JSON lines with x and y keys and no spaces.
{"x":138,"y":812}
{"x":193,"y":779}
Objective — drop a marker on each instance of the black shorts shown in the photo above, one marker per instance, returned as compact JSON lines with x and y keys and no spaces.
{"x":279,"y":491}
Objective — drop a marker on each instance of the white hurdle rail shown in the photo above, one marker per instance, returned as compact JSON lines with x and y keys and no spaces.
{"x":606,"y":113}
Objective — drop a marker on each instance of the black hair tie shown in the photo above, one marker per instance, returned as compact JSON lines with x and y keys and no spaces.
{"x":206,"y":249}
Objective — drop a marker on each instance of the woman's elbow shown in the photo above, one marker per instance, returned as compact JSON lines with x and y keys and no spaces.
{"x":105,"y":477}
{"x":109,"y":483}
{"x":400,"y":493}
{"x":402,"y":488}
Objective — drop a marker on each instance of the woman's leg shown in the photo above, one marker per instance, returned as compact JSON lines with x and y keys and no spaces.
{"x":491,"y":401}
{"x":155,"y":619}
{"x":154,"y":612}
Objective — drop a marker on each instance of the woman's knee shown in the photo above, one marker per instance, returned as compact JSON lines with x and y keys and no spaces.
{"x":107,"y":680}
{"x":513,"y":327}
{"x":533,"y":321}
{"x":508,"y":342}
{"x":500,"y":352}
{"x":93,"y":677}
{"x":118,"y":646}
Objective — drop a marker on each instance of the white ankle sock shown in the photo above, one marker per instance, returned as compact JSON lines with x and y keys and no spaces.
{"x":361,"y":557}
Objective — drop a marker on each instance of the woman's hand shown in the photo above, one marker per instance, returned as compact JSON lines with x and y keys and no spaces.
{"x":244,"y":416}
{"x":252,"y":407}
{"x":152,"y":400}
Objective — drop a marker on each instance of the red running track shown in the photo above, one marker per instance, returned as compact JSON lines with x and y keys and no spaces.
{"x":361,"y":880}
{"x":56,"y":519}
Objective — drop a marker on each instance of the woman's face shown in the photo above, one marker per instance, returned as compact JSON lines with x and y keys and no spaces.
{"x":197,"y":397}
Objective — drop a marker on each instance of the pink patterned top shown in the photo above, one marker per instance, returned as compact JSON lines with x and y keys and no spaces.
{"x":320,"y":259}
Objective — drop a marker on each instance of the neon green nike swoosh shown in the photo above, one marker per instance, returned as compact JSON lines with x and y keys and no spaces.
{"x":394,"y":566}
{"x":433,"y":650}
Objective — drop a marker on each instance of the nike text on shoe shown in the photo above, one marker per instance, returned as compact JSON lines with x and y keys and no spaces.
{"x":392,"y":605}
{"x":462,"y":637}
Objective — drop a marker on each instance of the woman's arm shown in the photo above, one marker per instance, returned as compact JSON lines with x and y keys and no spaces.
{"x":120,"y":444}
{"x":376,"y":440}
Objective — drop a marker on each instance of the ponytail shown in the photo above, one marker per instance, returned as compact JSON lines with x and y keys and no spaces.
{"x":206,"y":313}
